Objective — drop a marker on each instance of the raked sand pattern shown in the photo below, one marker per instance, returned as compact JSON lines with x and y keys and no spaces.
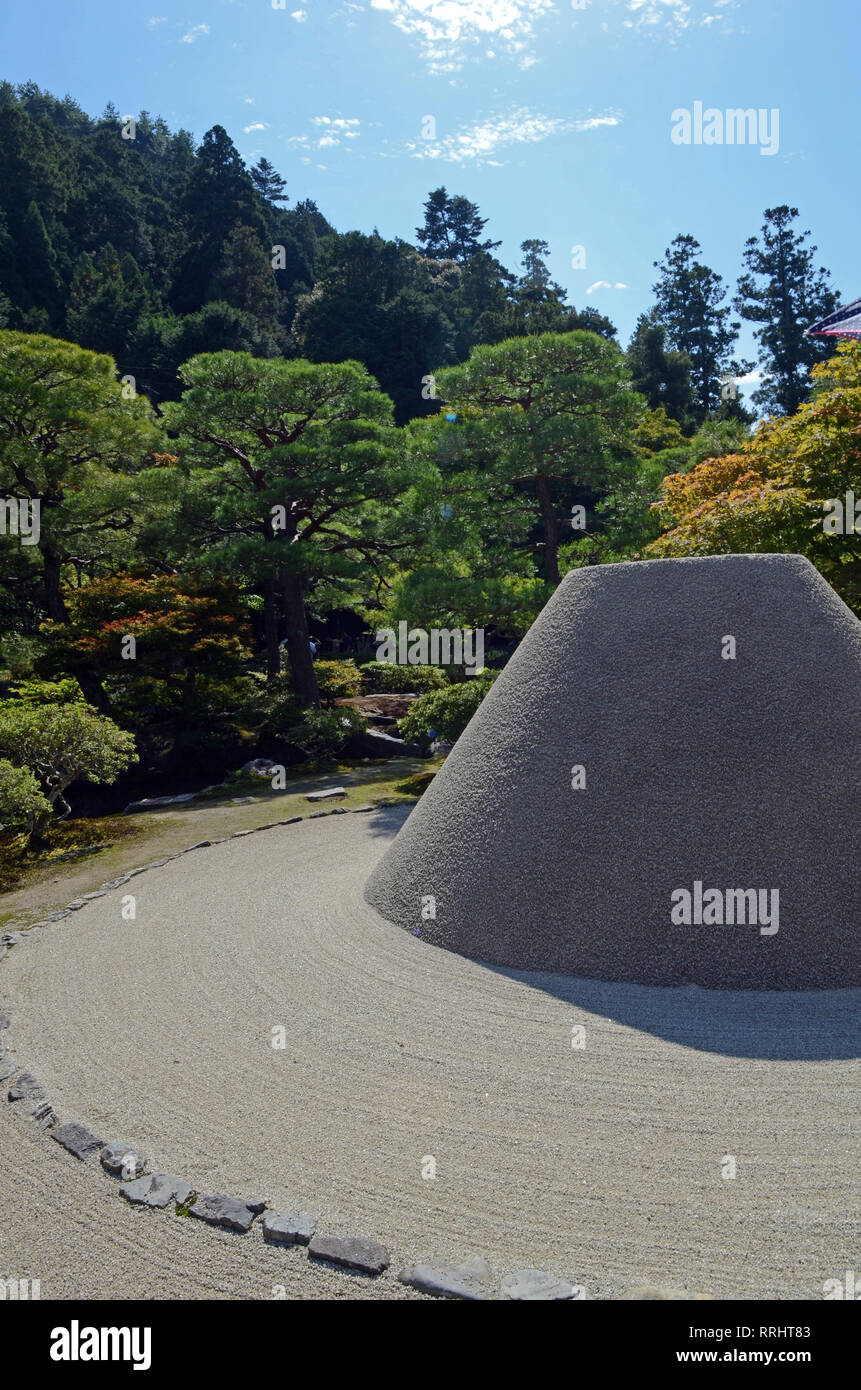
{"x":602,"y":1163}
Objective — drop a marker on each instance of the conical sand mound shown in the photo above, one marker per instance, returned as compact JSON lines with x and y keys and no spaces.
{"x":703,"y":773}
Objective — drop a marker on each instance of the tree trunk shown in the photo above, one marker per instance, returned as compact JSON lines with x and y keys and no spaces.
{"x":551,"y":529}
{"x":270,"y":627}
{"x":298,"y":641}
{"x":51,"y":574}
{"x":52,"y":567}
{"x":93,"y":691}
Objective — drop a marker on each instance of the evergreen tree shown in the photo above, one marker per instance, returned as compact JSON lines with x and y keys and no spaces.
{"x":107,"y":299}
{"x":10,"y":280}
{"x":245,"y":278}
{"x":219,"y":194}
{"x":268,"y":182}
{"x":590,"y":320}
{"x":538,"y":302}
{"x":690,"y":306}
{"x":661,"y":374}
{"x":481,"y":309}
{"x":452,"y":228}
{"x":290,"y":464}
{"x":784,"y":294}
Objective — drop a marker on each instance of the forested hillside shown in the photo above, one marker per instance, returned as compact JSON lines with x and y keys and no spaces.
{"x":153,"y":248}
{"x":234,"y":430}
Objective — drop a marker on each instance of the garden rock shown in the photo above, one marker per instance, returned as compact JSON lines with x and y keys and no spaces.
{"x":527,"y":1285}
{"x":119,"y":1157}
{"x":26,"y":1088}
{"x":157,"y":1190}
{"x":219,"y":1210}
{"x":449,"y":1280}
{"x":289,"y":1227}
{"x":79,"y":1140}
{"x":353,"y":1252}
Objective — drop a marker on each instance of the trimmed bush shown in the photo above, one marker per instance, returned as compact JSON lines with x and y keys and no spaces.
{"x":385,"y":678}
{"x":446,"y":712}
{"x":61,"y":743}
{"x":21,"y":801}
{"x":323,"y":733}
{"x":338,"y":680}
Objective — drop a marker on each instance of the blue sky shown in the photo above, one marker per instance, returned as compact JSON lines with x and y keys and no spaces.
{"x":555,"y":118}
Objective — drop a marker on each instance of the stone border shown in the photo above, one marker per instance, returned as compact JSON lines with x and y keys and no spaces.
{"x":357,"y":1255}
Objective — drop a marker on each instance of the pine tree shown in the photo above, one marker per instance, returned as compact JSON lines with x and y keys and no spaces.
{"x":784,"y":293}
{"x":37,"y":265}
{"x":661,"y":374}
{"x":268,"y":182}
{"x":452,"y":228}
{"x":219,"y":194}
{"x":10,"y":280}
{"x":591,"y":320}
{"x":539,"y":303}
{"x":690,"y":306}
{"x":245,"y":278}
{"x":107,"y":300}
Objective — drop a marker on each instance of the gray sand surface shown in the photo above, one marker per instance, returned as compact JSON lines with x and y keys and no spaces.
{"x":601,"y":1164}
{"x":738,"y":774}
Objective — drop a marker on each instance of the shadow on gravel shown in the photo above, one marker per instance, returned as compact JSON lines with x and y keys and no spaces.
{"x":774,"y":1025}
{"x":385,"y":821}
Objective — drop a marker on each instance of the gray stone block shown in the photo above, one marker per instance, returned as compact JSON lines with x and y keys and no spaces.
{"x":232,"y":1212}
{"x":26,"y":1087}
{"x":532,"y":1285}
{"x":449,"y":1280}
{"x":79,"y":1140}
{"x":352,"y":1252}
{"x":120,"y":1157}
{"x":289,"y":1227}
{"x":157,"y":1190}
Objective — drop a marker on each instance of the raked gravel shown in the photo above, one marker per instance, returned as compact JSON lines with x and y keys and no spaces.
{"x":601,"y":1164}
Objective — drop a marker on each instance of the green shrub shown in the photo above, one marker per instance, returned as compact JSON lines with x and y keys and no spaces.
{"x":18,"y":654}
{"x":338,"y":680}
{"x":323,"y":733}
{"x":446,"y":712}
{"x":385,"y":678}
{"x":61,"y":743}
{"x":21,"y":801}
{"x":36,"y":692}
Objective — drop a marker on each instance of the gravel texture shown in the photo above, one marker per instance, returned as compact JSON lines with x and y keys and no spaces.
{"x":600,"y":1164}
{"x":739,"y":774}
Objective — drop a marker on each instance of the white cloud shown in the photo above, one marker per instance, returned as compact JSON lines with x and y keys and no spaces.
{"x":330,"y":132}
{"x":299,"y":15}
{"x":674,"y":17}
{"x":196,"y":32}
{"x":256,"y":125}
{"x":154,"y":22}
{"x":605,"y":285}
{"x":450,"y":32}
{"x":249,"y":101}
{"x":447,"y":30}
{"x":479,"y":141}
